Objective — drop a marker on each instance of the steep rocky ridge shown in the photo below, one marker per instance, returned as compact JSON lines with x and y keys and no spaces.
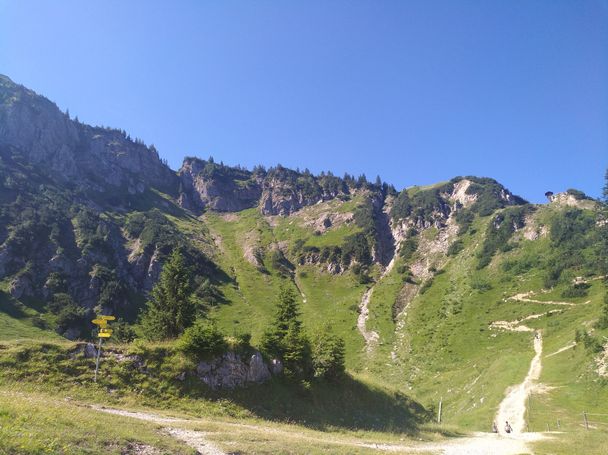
{"x":73,"y":152}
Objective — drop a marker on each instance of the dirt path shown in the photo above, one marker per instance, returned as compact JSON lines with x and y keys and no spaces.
{"x":477,"y":444}
{"x":525,"y":297}
{"x":195,"y":439}
{"x":513,"y":408}
{"x":560,"y":350}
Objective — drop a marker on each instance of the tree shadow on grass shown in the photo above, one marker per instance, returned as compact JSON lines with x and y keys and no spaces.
{"x":11,"y":307}
{"x":349,"y":404}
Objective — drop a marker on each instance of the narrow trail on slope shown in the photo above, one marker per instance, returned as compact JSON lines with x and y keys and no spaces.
{"x":512,"y":409}
{"x":560,"y":350}
{"x":525,"y":297}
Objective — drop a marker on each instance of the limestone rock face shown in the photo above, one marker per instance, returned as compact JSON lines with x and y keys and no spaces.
{"x":207,"y":186}
{"x":284,"y":194}
{"x":280,"y":191}
{"x":233,"y":370}
{"x":73,"y":152}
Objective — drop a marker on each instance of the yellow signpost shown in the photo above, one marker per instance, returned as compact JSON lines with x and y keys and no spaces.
{"x":104,"y":332}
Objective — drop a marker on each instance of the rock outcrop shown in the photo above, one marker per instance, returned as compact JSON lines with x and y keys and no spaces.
{"x":233,"y":370}
{"x":205,"y":185}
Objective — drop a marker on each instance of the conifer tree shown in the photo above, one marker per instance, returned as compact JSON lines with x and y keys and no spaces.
{"x":285,"y":339}
{"x":171,"y":308}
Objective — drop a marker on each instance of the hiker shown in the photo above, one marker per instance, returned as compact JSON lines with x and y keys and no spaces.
{"x":508,"y":428}
{"x":494,"y":428}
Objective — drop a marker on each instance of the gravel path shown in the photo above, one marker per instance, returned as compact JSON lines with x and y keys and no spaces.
{"x":195,"y":439}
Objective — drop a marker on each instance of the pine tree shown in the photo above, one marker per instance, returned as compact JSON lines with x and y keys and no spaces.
{"x":285,"y":339}
{"x":171,"y":308}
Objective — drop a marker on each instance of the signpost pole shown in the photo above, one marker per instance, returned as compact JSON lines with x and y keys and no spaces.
{"x":98,"y":356}
{"x":104,"y":332}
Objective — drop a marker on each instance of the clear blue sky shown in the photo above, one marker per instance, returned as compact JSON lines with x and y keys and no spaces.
{"x":416,"y":91}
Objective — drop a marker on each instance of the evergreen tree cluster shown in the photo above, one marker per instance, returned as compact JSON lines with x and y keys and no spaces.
{"x":286,"y":340}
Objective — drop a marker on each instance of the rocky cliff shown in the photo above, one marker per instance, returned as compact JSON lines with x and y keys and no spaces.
{"x":90,"y":157}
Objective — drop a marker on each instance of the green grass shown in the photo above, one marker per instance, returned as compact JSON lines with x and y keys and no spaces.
{"x":330,"y":299}
{"x":17,"y":321}
{"x":449,"y":351}
{"x":41,"y":423}
{"x":351,"y":404}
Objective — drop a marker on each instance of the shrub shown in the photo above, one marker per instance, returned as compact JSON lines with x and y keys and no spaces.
{"x":239,"y":342}
{"x":576,"y":290}
{"x":328,"y":355}
{"x":481,"y":285}
{"x":402,"y":206}
{"x":202,"y":341}
{"x":408,"y":248}
{"x":464,"y":218}
{"x":72,"y":317}
{"x":426,"y":285}
{"x":356,"y":247}
{"x":499,"y":232}
{"x":455,"y":248}
{"x":123,"y":332}
{"x":602,"y":323}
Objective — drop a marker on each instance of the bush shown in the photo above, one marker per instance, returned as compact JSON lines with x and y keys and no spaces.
{"x":402,"y":206}
{"x":123,"y":332}
{"x":328,"y":355}
{"x":239,"y":342}
{"x":356,"y":247}
{"x":464,"y":218}
{"x":602,"y":323}
{"x":408,"y":248}
{"x":499,"y":232}
{"x":202,"y":341}
{"x":455,"y":248}
{"x":72,"y":317}
{"x":481,"y":285}
{"x":426,"y":285}
{"x":576,"y":290}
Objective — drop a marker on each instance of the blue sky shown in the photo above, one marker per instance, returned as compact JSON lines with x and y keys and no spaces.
{"x":415,"y":91}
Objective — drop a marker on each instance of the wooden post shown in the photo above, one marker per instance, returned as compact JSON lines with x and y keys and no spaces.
{"x":548,"y":427}
{"x":97,"y":361}
{"x":558,"y":424}
{"x":439,"y":412}
{"x":586,"y":421}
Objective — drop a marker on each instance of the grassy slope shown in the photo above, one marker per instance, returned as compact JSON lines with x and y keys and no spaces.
{"x":330,"y":299}
{"x":446,"y":350}
{"x":37,"y":377}
{"x":449,"y":352}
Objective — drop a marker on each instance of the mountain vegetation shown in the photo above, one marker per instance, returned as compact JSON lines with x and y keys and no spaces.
{"x":306,"y":303}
